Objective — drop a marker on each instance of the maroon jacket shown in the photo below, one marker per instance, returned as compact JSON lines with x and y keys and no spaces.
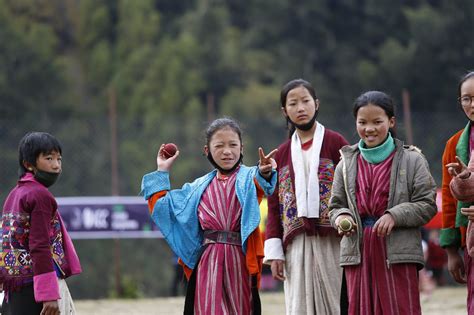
{"x":35,"y":245}
{"x":282,"y":220}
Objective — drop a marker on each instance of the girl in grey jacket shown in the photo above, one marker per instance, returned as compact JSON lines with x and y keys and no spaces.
{"x":382,"y":194}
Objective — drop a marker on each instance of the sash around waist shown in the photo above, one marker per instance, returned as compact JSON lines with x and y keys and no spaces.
{"x":222,"y":237}
{"x":369,"y":221}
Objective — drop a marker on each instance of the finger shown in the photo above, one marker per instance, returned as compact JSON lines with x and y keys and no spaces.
{"x":261,"y":154}
{"x":382,"y":230}
{"x":281,"y":272}
{"x":452,"y":171}
{"x":271,"y":154}
{"x":459,"y":161}
{"x":375,"y":228}
{"x":160,"y":150}
{"x":389,"y":229}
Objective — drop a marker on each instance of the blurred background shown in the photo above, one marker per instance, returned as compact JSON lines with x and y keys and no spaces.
{"x":113,"y":79}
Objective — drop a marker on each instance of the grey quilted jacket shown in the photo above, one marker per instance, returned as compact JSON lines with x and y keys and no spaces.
{"x":411,"y":202}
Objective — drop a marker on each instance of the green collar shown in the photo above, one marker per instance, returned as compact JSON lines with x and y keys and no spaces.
{"x":379,"y":153}
{"x":462,"y":147}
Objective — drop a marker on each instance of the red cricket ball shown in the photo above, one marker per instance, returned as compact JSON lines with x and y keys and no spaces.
{"x":169,"y":150}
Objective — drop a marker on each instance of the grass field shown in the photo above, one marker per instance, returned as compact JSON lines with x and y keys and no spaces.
{"x":445,"y":300}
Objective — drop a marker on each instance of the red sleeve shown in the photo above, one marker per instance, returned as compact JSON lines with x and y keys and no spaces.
{"x":448,"y":201}
{"x":274,"y":228}
{"x":43,"y":208}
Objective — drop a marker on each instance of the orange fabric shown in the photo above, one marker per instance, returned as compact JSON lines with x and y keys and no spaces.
{"x":187,"y":271}
{"x":449,"y":203}
{"x":254,"y":257}
{"x":154,"y":198}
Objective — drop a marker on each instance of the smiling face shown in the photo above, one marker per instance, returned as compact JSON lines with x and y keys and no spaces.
{"x":373,"y":124}
{"x":300,"y":106}
{"x":225,"y":148}
{"x":467,"y":90}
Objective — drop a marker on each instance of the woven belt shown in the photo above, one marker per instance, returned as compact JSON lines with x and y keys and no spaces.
{"x":369,"y":221}
{"x":223,"y":237}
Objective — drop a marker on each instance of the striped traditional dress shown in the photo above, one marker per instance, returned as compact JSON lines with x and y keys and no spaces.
{"x":373,"y":286}
{"x":223,"y":284}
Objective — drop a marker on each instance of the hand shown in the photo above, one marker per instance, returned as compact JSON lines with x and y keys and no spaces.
{"x":162,"y":163}
{"x":469,"y":212}
{"x":351,"y":220}
{"x":384,"y":225}
{"x":277,"y":267}
{"x":457,"y":167}
{"x":456,"y":265}
{"x":266,"y":163}
{"x":50,"y":308}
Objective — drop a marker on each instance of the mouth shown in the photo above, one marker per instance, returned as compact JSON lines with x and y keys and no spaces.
{"x":301,"y":117}
{"x":371,"y":138}
{"x":227,"y":160}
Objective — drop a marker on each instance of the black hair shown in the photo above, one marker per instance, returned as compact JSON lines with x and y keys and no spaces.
{"x":376,"y":98}
{"x":32,"y":145}
{"x":284,"y":94}
{"x":222,"y":123}
{"x":466,"y":77}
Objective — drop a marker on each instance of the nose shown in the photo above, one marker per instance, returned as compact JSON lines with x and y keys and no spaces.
{"x":300,"y":108}
{"x":56,"y":164}
{"x":369,"y":129}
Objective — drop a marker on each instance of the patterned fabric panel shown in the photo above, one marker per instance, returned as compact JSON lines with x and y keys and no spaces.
{"x":15,"y":258}
{"x":326,"y":176}
{"x":57,"y":243}
{"x":287,"y":199}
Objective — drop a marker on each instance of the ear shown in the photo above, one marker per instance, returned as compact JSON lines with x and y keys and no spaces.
{"x":316,"y":103}
{"x":283,"y":110}
{"x":205,"y":150}
{"x":30,"y":167}
{"x":391,"y":122}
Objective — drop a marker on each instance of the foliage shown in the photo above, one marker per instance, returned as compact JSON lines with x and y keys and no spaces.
{"x":169,"y":67}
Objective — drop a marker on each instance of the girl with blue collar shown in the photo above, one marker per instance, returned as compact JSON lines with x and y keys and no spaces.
{"x":212,"y":223}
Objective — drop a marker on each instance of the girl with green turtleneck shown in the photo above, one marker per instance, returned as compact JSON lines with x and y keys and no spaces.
{"x":386,"y":192}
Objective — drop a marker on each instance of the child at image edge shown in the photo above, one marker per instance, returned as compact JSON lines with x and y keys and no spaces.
{"x":457,"y":213}
{"x":387,"y":193}
{"x":37,"y":253}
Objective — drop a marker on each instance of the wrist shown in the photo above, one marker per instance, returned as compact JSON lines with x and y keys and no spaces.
{"x":451,"y":250}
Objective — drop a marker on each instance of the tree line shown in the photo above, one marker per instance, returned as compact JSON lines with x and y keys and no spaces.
{"x":159,"y":70}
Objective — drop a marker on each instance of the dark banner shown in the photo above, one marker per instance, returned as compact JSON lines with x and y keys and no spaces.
{"x":107,"y":217}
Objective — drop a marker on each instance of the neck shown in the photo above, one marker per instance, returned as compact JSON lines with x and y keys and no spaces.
{"x":379,"y":153}
{"x":306,"y":135}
